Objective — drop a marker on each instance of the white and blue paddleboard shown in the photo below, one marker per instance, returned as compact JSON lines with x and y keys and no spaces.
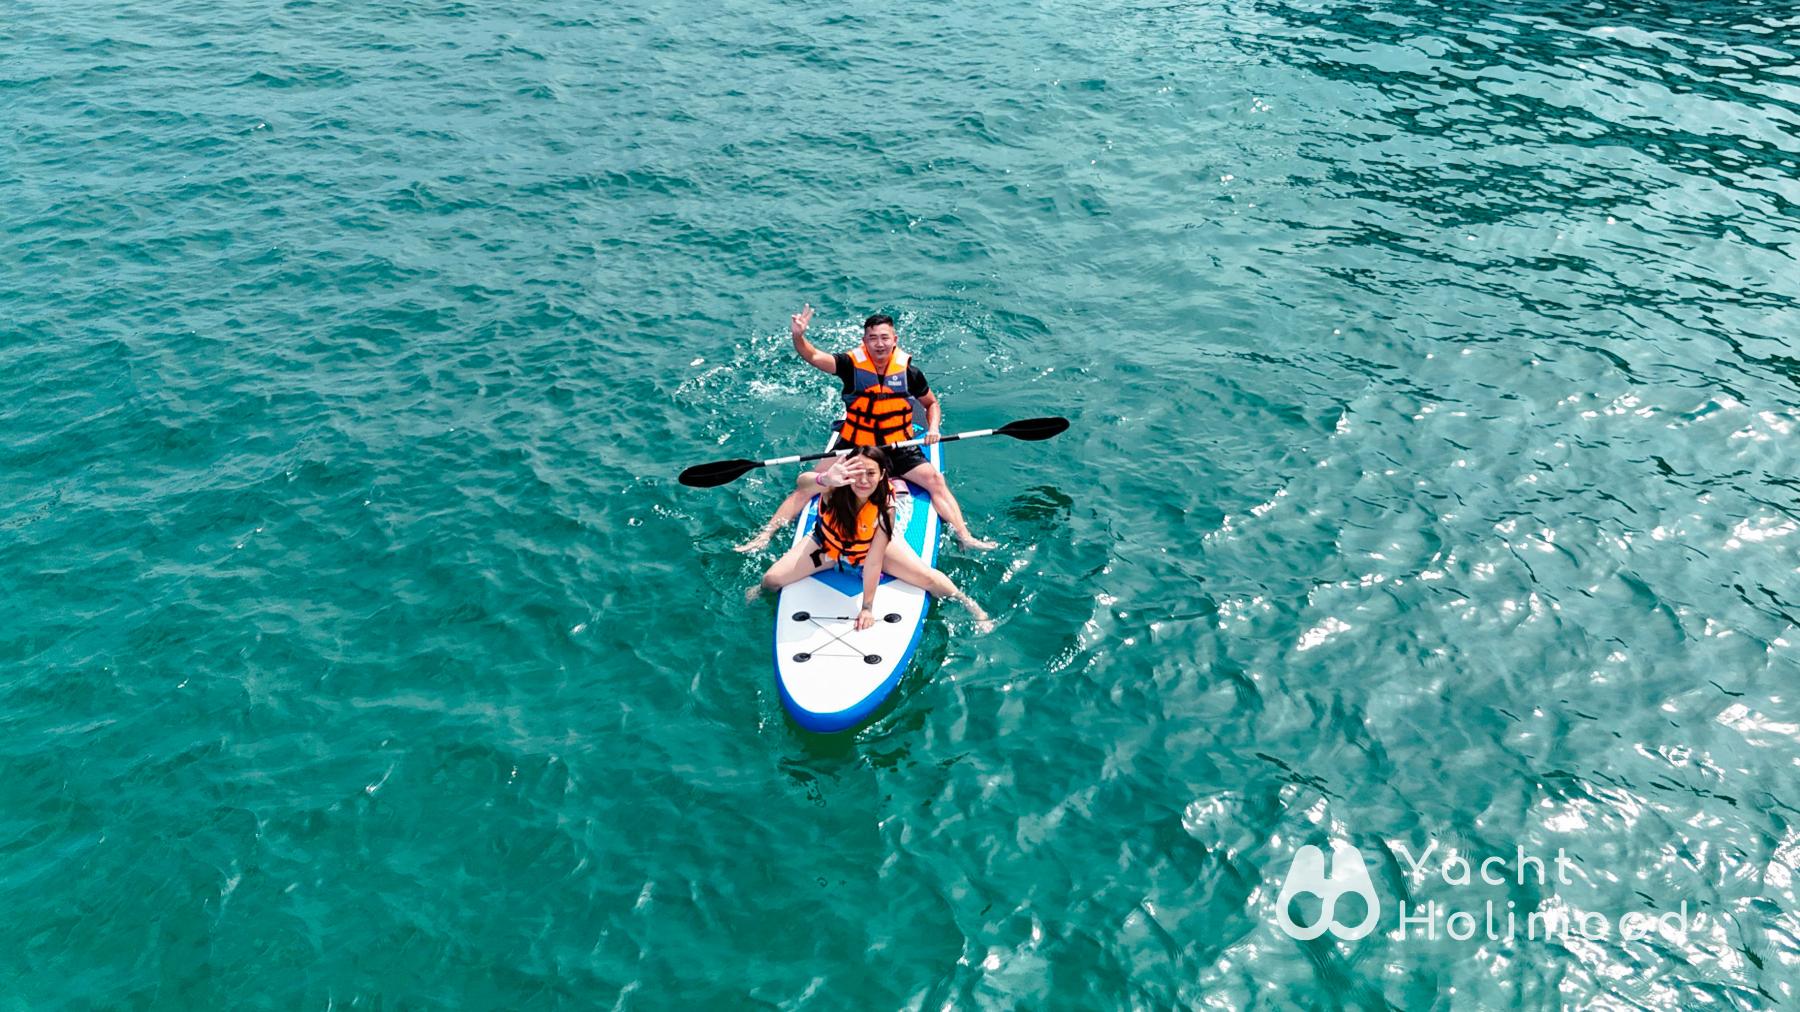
{"x":831,"y":676}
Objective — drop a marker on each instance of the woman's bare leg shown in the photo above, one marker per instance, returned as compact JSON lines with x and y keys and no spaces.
{"x":902,"y":563}
{"x":793,"y":567}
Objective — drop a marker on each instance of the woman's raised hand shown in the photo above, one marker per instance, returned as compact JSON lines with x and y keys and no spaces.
{"x":839,"y":473}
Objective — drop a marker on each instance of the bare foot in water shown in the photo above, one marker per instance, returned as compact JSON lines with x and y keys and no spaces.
{"x":974,"y":543}
{"x":754,"y":592}
{"x":983,"y":624}
{"x":755,"y":544}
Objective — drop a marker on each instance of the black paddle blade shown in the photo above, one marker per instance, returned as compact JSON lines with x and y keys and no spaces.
{"x":1033,"y":428}
{"x":719,"y":472}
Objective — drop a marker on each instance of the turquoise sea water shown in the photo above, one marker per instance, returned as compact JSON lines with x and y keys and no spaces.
{"x":1431,"y":488}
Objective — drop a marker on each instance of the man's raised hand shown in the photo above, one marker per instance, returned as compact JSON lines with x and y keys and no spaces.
{"x":812,"y":356}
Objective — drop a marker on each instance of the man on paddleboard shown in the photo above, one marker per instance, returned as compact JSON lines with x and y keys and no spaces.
{"x":883,"y":394}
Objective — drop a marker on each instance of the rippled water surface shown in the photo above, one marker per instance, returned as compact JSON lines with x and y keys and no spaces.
{"x":1431,"y":490}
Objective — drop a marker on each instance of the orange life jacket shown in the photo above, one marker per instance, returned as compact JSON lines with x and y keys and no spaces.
{"x":877,"y":410}
{"x":848,"y":547}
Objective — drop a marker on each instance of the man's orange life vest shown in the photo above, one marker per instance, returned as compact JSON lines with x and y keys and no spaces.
{"x":877,"y":410}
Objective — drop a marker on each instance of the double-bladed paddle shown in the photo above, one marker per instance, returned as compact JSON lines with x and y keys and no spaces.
{"x":724,"y":472}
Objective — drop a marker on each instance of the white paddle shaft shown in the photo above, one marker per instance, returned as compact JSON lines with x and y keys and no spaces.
{"x":841,"y":451}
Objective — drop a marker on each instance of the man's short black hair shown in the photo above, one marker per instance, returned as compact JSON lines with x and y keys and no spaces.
{"x":877,"y":320}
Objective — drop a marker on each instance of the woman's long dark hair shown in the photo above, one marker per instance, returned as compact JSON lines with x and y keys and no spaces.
{"x":840,"y":503}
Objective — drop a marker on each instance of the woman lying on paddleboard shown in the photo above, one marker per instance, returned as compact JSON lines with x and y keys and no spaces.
{"x":856,"y":526}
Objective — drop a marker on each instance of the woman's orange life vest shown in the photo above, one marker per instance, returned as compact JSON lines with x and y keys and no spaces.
{"x":848,"y":547}
{"x":877,"y":410}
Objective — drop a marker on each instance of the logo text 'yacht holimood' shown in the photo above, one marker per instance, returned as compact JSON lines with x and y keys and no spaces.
{"x":1487,"y":915}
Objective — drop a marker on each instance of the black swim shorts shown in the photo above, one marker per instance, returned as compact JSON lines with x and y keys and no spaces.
{"x":901,"y":459}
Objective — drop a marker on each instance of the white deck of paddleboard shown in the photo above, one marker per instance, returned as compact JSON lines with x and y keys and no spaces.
{"x":832,"y":677}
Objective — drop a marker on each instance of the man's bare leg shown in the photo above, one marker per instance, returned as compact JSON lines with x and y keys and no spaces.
{"x":929,"y":478}
{"x":806,"y":486}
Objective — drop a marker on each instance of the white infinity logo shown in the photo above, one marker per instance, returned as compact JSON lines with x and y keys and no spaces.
{"x":1307,"y":875}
